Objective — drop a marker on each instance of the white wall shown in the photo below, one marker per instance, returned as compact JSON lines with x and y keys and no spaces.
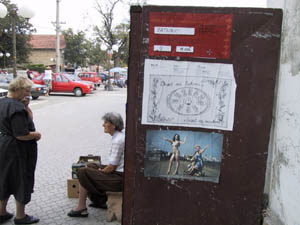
{"x":284,"y":161}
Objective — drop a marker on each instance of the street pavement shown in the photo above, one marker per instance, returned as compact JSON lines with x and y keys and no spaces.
{"x":70,"y":126}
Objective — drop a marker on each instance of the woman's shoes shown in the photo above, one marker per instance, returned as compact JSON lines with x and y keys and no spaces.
{"x":27,"y":220}
{"x":6,"y":217}
{"x":79,"y":213}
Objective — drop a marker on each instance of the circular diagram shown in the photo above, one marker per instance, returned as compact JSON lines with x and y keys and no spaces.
{"x":188,"y":101}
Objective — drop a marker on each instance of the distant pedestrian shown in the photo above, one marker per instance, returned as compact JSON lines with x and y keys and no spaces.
{"x":48,"y":79}
{"x":18,"y":150}
{"x":95,"y":180}
{"x":29,"y":74}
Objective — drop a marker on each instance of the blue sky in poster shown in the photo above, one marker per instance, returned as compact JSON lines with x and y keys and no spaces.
{"x":214,"y":140}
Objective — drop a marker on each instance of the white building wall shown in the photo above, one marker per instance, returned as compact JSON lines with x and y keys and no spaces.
{"x":283,"y":183}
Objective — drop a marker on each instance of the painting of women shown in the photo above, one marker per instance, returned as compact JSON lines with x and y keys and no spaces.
{"x":175,"y":142}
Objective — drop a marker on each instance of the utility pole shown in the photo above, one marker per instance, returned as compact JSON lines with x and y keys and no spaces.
{"x":57,"y":28}
{"x":57,"y":38}
{"x":14,"y":15}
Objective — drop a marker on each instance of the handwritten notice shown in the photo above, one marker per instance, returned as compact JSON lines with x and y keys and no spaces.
{"x":191,"y":94}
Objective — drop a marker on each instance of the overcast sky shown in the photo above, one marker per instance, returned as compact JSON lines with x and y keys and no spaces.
{"x":81,"y":14}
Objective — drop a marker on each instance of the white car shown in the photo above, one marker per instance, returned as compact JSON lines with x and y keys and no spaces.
{"x":3,"y":92}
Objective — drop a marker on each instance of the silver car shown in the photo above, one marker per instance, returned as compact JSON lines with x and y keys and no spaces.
{"x":37,"y":90}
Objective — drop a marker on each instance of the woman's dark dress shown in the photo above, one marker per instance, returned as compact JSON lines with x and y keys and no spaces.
{"x":17,"y":158}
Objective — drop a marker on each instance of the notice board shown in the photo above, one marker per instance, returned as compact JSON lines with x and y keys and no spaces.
{"x":200,"y":95}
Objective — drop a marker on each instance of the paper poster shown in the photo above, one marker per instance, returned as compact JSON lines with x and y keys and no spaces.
{"x":183,"y":155}
{"x":189,"y":94}
{"x":197,"y":35}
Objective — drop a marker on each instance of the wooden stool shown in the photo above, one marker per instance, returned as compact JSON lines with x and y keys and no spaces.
{"x":114,"y":206}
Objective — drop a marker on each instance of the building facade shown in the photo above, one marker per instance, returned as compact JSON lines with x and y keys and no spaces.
{"x":44,"y":50}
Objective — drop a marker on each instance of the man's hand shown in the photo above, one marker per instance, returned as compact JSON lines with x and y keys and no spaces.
{"x":109,"y":169}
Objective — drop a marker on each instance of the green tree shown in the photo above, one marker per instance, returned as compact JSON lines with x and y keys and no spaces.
{"x":76,"y":51}
{"x":23,"y":35}
{"x":95,"y":55}
{"x":76,"y":48}
{"x":109,"y":35}
{"x":122,"y":34}
{"x":36,"y":67}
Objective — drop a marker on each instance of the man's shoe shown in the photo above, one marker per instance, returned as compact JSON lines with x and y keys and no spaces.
{"x":27,"y":220}
{"x":6,"y":217}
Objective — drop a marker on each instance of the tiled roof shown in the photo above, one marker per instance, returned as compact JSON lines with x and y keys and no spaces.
{"x":45,"y":41}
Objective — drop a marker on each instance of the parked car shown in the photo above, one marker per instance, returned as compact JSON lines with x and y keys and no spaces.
{"x":63,"y":83}
{"x":91,"y":76}
{"x":35,"y":74}
{"x":3,"y":92}
{"x":22,"y":73}
{"x":37,"y":90}
{"x":77,"y":78}
{"x":104,"y":77}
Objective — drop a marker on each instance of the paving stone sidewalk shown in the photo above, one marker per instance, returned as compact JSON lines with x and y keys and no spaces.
{"x":49,"y":201}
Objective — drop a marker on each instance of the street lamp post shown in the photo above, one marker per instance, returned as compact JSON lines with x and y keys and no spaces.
{"x":23,"y":11}
{"x":4,"y":55}
{"x":3,"y":10}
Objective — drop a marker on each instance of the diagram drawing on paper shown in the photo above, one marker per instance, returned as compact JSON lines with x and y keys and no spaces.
{"x":189,"y":94}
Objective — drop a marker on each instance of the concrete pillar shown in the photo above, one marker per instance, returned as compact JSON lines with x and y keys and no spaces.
{"x":283,"y":177}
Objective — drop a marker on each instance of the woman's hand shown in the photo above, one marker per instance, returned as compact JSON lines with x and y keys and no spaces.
{"x":34,"y":135}
{"x":38,"y":136}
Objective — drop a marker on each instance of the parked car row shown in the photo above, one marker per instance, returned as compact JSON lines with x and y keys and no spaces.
{"x":37,"y":90}
{"x":63,"y":82}
{"x":91,"y":76}
{"x":77,"y":78}
{"x":80,"y":84}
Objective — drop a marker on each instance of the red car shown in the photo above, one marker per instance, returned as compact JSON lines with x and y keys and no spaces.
{"x":62,"y":82}
{"x":91,"y":76}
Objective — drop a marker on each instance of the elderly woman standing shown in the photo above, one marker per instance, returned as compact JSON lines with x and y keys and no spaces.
{"x":18,"y":151}
{"x":97,"y":180}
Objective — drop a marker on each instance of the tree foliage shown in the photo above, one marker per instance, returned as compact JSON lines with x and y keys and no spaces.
{"x":95,"y":55}
{"x":23,"y":34}
{"x":110,"y":35}
{"x":122,"y":34}
{"x":75,"y":52}
{"x":36,"y":67}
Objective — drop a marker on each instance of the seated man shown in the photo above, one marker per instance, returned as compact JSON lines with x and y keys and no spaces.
{"x":97,"y":180}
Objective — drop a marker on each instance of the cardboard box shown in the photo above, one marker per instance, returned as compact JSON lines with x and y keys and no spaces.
{"x":75,"y":167}
{"x":89,"y":158}
{"x":73,"y":188}
{"x":83,"y":160}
